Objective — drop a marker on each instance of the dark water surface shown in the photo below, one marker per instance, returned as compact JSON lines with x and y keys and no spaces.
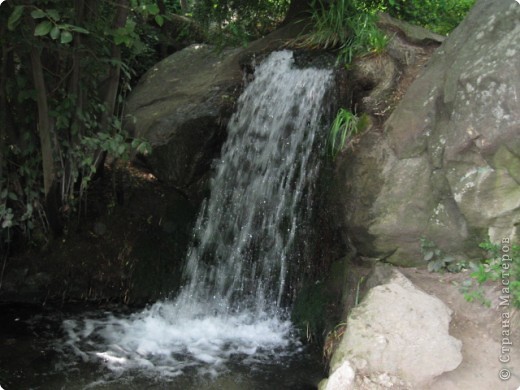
{"x":34,"y":355}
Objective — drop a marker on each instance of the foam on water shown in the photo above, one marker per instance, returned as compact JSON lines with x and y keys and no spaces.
{"x":247,"y":239}
{"x":163,"y":341}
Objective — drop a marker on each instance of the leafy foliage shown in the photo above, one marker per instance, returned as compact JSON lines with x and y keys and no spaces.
{"x":438,"y":260}
{"x":342,"y":26}
{"x":345,"y":127}
{"x":440,"y":16}
{"x":83,"y":71}
{"x":350,"y":25}
{"x":493,"y":269}
{"x":236,"y":22}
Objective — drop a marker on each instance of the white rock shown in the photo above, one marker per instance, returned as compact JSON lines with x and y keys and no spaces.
{"x":342,"y":378}
{"x":402,"y":331}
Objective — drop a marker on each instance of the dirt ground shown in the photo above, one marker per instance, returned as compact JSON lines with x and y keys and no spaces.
{"x":479,"y":328}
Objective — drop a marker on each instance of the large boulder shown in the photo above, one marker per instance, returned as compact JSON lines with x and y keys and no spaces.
{"x":182,"y":106}
{"x":408,"y":345}
{"x":447,"y":165}
{"x":178,"y":106}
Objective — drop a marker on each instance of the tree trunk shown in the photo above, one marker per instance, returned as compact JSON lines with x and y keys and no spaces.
{"x":184,"y":6}
{"x":3,"y":105}
{"x":44,"y":122}
{"x":74,"y":84}
{"x":113,"y":77}
{"x":115,"y":70}
{"x":76,"y":128}
{"x":50,"y":185}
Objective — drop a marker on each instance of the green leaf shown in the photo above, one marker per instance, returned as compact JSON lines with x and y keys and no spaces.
{"x":77,"y":29}
{"x":121,"y":149}
{"x":54,"y":14}
{"x":436,"y":265}
{"x":117,"y":123}
{"x":43,"y":28}
{"x":38,"y":14}
{"x":159,"y":20}
{"x":153,"y":9}
{"x":428,"y":256}
{"x":144,"y":148}
{"x":14,"y":18}
{"x":66,"y":37}
{"x":449,"y":259}
{"x":13,"y":196}
{"x":121,"y":37}
{"x":7,"y":223}
{"x":130,"y":26}
{"x":55,"y":32}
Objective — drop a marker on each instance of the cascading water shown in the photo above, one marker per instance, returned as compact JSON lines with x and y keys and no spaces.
{"x":245,"y":241}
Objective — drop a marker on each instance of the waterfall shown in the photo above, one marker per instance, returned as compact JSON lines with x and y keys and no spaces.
{"x":245,"y":240}
{"x":246,"y":230}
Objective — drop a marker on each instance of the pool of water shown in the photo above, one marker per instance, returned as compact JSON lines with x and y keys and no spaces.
{"x":38,"y":351}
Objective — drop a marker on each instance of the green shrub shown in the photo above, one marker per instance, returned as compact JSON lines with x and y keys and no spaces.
{"x":231,"y":23}
{"x":438,"y":260}
{"x":330,"y":25}
{"x":339,"y":25}
{"x":440,"y":16}
{"x":493,"y":269}
{"x":366,"y":39}
{"x":345,"y":127}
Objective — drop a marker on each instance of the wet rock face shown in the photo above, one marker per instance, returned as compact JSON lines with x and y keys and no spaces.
{"x":447,"y":164}
{"x":181,"y":106}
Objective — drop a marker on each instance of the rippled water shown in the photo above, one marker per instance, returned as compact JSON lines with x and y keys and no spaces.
{"x":34,"y":354}
{"x":165,"y":342}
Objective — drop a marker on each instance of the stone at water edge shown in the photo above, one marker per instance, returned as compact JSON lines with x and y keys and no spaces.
{"x":341,"y":379}
{"x":400,"y":330}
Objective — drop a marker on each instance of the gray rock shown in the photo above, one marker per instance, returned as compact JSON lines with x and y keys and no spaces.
{"x":400,"y":331}
{"x":178,"y":107}
{"x":413,"y":34}
{"x":447,"y":166}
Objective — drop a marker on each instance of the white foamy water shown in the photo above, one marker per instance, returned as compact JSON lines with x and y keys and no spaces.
{"x":163,"y":341}
{"x":246,"y":242}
